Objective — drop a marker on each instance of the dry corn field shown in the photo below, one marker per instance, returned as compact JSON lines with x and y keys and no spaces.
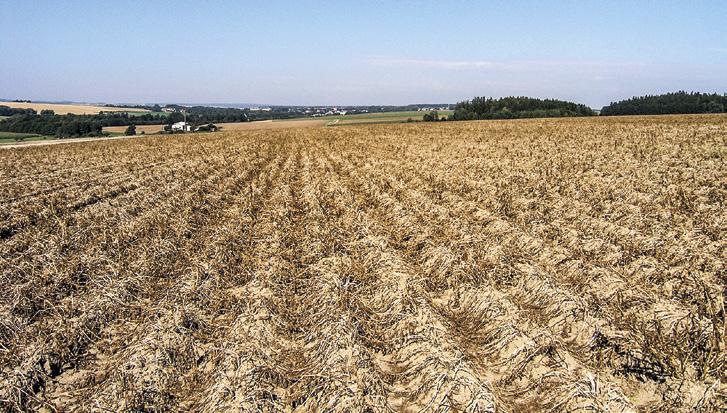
{"x":564,"y":265}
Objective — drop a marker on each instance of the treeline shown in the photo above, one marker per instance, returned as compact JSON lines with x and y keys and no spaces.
{"x":8,"y":111}
{"x":195,"y":115}
{"x":211,"y":114}
{"x":47,"y":123}
{"x":517,"y":107}
{"x":433,"y":116}
{"x":125,"y":119}
{"x":50,"y":124}
{"x":207,"y":114}
{"x":671,"y":103}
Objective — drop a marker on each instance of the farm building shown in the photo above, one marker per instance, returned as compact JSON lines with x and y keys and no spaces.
{"x":181,"y":126}
{"x":206,"y":128}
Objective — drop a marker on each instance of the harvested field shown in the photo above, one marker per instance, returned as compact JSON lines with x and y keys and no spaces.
{"x":65,"y":109}
{"x":139,"y":129}
{"x":275,"y":124}
{"x":234,"y":126}
{"x":562,"y":265}
{"x":385,"y":117}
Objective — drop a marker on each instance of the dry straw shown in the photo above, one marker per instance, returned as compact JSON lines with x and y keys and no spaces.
{"x":539,"y":265}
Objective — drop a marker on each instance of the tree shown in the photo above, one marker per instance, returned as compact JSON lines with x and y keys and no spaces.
{"x":174,"y":118}
{"x":715,"y":107}
{"x":432,"y":116}
{"x":514,"y":107}
{"x":131,"y":130}
{"x":669,"y":103}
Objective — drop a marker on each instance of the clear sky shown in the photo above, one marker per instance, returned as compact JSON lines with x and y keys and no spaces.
{"x":358,"y":52}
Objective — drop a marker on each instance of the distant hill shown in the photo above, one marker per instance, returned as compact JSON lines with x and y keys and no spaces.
{"x":517,"y":107}
{"x":670,"y":103}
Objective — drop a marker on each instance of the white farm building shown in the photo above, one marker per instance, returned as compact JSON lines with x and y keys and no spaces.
{"x":181,"y":126}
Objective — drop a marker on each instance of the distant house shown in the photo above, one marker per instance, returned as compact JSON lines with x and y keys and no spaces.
{"x":169,"y":110}
{"x":181,"y":126}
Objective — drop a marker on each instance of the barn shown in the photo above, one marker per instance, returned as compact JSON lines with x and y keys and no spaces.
{"x":181,"y":126}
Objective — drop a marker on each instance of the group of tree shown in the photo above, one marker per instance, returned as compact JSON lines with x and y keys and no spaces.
{"x":433,"y":116}
{"x":8,"y":111}
{"x":206,"y":114}
{"x":127,"y":118}
{"x":517,"y":107}
{"x":670,"y":103}
{"x":48,"y":123}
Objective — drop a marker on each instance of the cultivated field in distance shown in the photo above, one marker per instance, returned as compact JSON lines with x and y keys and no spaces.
{"x":139,"y":129}
{"x":560,"y":265}
{"x":235,"y":126}
{"x":272,"y":124}
{"x":379,"y":117}
{"x":384,"y":117}
{"x":65,"y":109}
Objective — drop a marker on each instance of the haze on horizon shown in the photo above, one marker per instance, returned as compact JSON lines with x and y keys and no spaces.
{"x":352,"y":53}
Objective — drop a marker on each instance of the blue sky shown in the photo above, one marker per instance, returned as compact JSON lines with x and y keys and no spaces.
{"x":356,"y":52}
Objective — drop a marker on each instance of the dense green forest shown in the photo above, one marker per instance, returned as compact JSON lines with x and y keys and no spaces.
{"x":517,"y":107}
{"x":8,"y":111}
{"x":50,"y":124}
{"x":670,"y":103}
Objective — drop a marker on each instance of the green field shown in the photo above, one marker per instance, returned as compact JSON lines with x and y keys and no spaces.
{"x":6,"y":137}
{"x":382,"y":117}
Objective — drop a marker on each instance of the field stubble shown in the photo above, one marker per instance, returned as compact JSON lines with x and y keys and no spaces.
{"x":539,"y":265}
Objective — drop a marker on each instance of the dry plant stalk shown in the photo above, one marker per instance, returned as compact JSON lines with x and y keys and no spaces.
{"x":559,"y":265}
